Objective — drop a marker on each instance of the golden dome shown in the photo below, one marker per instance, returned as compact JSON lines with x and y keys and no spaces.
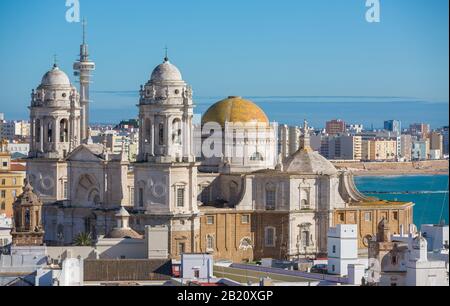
{"x":234,"y":109}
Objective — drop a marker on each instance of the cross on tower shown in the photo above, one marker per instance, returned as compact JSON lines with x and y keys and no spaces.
{"x":166,"y":58}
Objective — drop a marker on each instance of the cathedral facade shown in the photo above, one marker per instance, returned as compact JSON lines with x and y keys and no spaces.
{"x":244,"y":203}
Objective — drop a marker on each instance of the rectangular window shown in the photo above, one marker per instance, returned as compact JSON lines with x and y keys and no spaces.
{"x":341,"y":217}
{"x":210,"y":243}
{"x":3,"y":182}
{"x":334,"y":249}
{"x":395,"y":215}
{"x":180,"y":196}
{"x":270,"y":237}
{"x":270,"y":199}
{"x":132,"y":196}
{"x":66,"y":190}
{"x":245,"y":219}
{"x":3,"y":194}
{"x":181,"y":248}
{"x":5,"y":164}
{"x":141,"y":197}
{"x":209,"y":220}
{"x":368,"y":216}
{"x":3,"y":206}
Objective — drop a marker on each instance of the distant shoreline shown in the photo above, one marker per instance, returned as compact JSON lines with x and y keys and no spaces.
{"x":433,"y":167}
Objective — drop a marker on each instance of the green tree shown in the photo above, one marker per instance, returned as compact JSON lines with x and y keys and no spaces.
{"x":83,"y":239}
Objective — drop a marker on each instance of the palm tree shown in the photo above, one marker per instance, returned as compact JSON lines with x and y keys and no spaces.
{"x":83,"y":239}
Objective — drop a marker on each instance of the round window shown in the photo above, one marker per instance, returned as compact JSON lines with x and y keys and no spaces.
{"x":177,"y":91}
{"x":64,"y":95}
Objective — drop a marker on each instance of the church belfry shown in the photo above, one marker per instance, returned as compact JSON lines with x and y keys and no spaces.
{"x":165,"y":114}
{"x":27,"y":227}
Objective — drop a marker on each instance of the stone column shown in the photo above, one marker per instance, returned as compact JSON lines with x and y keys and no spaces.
{"x":32,"y":133}
{"x":152,"y":136}
{"x":56,"y":131}
{"x":41,"y":134}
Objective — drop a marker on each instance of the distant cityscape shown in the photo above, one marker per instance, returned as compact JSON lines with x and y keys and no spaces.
{"x":338,"y":140}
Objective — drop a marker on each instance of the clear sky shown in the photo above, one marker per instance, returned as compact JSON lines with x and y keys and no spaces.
{"x":232,"y":47}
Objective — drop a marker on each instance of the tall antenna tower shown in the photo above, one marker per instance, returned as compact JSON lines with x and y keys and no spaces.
{"x":83,"y":70}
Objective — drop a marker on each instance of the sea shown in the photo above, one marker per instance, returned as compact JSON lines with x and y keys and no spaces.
{"x":428,"y":192}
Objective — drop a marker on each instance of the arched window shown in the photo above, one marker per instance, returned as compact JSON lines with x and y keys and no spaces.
{"x":27,"y":219}
{"x":161,"y":134}
{"x":50,"y":132}
{"x":38,"y":130}
{"x":176,"y":131}
{"x":148,"y":131}
{"x":256,"y":157}
{"x":209,"y":243}
{"x":304,"y":204}
{"x":305,"y":238}
{"x":94,"y":197}
{"x":64,"y":131}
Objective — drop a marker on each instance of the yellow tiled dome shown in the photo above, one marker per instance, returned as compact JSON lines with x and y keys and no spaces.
{"x":234,"y":109}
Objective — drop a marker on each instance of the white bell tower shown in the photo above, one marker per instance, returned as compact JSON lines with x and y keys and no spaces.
{"x":165,"y":114}
{"x":55,"y":114}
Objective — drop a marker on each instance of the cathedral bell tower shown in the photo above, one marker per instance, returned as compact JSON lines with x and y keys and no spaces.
{"x":165,"y":114}
{"x":55,"y":113}
{"x":166,"y":171}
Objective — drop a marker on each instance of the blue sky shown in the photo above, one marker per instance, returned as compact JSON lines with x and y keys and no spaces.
{"x":246,"y":47}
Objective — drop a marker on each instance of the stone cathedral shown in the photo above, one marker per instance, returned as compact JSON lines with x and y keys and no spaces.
{"x":253,"y":205}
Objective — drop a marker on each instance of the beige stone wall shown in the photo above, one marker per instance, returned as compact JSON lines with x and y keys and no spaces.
{"x":395,"y":215}
{"x":228,"y":231}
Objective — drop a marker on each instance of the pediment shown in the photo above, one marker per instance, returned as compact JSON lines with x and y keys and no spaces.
{"x":83,"y":153}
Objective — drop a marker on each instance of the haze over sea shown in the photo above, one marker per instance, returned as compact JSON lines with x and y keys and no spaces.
{"x":113,"y":106}
{"x":432,"y":203}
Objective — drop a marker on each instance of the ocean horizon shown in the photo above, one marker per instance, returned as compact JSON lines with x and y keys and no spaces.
{"x":430,"y":193}
{"x":111,"y":107}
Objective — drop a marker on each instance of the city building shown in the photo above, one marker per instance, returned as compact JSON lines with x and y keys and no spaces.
{"x":379,"y":150}
{"x":419,"y":150}
{"x":19,"y":150}
{"x":354,"y":129}
{"x":197,"y":267}
{"x":393,"y":126}
{"x":342,"y":248}
{"x":14,"y":129}
{"x":335,"y":127}
{"x":406,"y":260}
{"x":117,"y":141}
{"x":436,"y":145}
{"x":405,"y":147}
{"x":420,"y":130}
{"x":445,"y":140}
{"x":338,"y":147}
{"x":5,"y":232}
{"x":11,"y":180}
